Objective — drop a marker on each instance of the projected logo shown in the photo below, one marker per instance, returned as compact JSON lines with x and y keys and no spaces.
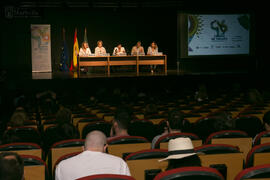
{"x":220,"y":28}
{"x":195,"y":26}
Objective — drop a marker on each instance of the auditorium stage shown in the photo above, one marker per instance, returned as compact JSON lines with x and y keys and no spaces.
{"x":154,"y":82}
{"x":76,"y":75}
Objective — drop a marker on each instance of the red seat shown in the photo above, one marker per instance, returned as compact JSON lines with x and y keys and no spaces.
{"x":168,"y":137}
{"x":107,"y":177}
{"x":22,"y":134}
{"x":226,"y":134}
{"x":19,"y":146}
{"x":127,"y":140}
{"x":190,"y":173}
{"x":68,"y":143}
{"x":148,"y":154}
{"x":217,"y":149}
{"x":261,"y":171}
{"x":256,"y":149}
{"x":260,"y":135}
{"x":29,"y":160}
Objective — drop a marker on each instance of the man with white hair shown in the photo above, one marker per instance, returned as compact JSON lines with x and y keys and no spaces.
{"x":93,"y":160}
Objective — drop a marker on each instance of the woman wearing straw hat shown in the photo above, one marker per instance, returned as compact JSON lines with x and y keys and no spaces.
{"x":181,"y":154}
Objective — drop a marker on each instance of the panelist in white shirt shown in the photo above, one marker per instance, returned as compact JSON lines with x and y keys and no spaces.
{"x":100,"y":50}
{"x":137,"y":49}
{"x":92,"y":161}
{"x":152,"y":49}
{"x":119,"y":50}
{"x":85,"y":50}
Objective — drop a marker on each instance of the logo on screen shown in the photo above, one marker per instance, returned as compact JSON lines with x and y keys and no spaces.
{"x":220,"y":28}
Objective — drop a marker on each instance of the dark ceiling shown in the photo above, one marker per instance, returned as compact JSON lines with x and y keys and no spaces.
{"x":219,"y":4}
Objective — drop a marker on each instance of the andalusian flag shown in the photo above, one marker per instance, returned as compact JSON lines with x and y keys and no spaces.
{"x":74,"y":61}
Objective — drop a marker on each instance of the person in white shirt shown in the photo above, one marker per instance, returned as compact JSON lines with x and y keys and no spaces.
{"x":152,"y":50}
{"x":85,"y":50}
{"x":119,"y":50}
{"x":100,"y":50}
{"x":138,"y":49}
{"x":92,"y":161}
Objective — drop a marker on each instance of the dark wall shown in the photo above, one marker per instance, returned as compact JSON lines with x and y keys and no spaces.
{"x":113,"y":26}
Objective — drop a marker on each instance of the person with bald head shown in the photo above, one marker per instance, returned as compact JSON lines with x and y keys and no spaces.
{"x":93,"y":160}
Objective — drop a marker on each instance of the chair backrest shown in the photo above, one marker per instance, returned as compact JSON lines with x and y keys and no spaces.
{"x":261,"y":135}
{"x":122,"y":150}
{"x":63,"y":147}
{"x":261,"y":158}
{"x":138,"y":167}
{"x":261,"y":171}
{"x":168,"y":137}
{"x":148,"y":154}
{"x":105,"y":127}
{"x":217,"y":149}
{"x":233,"y":162}
{"x":68,"y":143}
{"x":34,"y":161}
{"x":226,"y":134}
{"x":127,"y":140}
{"x":23,"y":148}
{"x":23,"y":134}
{"x":187,"y":173}
{"x":256,"y":149}
{"x":142,"y":128}
{"x":107,"y":177}
{"x":244,"y":144}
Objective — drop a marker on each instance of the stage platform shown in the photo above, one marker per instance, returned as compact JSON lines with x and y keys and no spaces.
{"x":95,"y":75}
{"x":124,"y":79}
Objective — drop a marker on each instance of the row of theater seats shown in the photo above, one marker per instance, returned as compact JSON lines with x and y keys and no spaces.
{"x":86,"y":116}
{"x":143,"y":128}
{"x":136,"y":151}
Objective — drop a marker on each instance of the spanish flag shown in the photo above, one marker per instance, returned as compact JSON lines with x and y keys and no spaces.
{"x":74,"y":61}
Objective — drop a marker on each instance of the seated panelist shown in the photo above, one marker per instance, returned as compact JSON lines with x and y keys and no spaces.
{"x":152,"y":49}
{"x":119,"y":50}
{"x":137,"y":49}
{"x":100,"y":50}
{"x":85,"y":50}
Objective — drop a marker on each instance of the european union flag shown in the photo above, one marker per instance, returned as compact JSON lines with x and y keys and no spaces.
{"x":64,"y":55}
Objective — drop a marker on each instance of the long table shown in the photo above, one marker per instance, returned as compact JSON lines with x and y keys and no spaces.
{"x":108,"y":61}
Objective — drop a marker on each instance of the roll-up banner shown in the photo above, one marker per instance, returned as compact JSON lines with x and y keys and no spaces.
{"x":41,"y":47}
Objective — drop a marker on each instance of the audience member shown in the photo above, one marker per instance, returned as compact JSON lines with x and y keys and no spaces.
{"x":121,"y":123}
{"x":64,"y":129}
{"x":174,"y":124}
{"x":18,"y":118}
{"x":252,"y":126}
{"x":266,"y":121}
{"x":254,"y":97}
{"x":93,"y":160}
{"x":201,"y":94}
{"x":11,"y":166}
{"x":181,"y":154}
